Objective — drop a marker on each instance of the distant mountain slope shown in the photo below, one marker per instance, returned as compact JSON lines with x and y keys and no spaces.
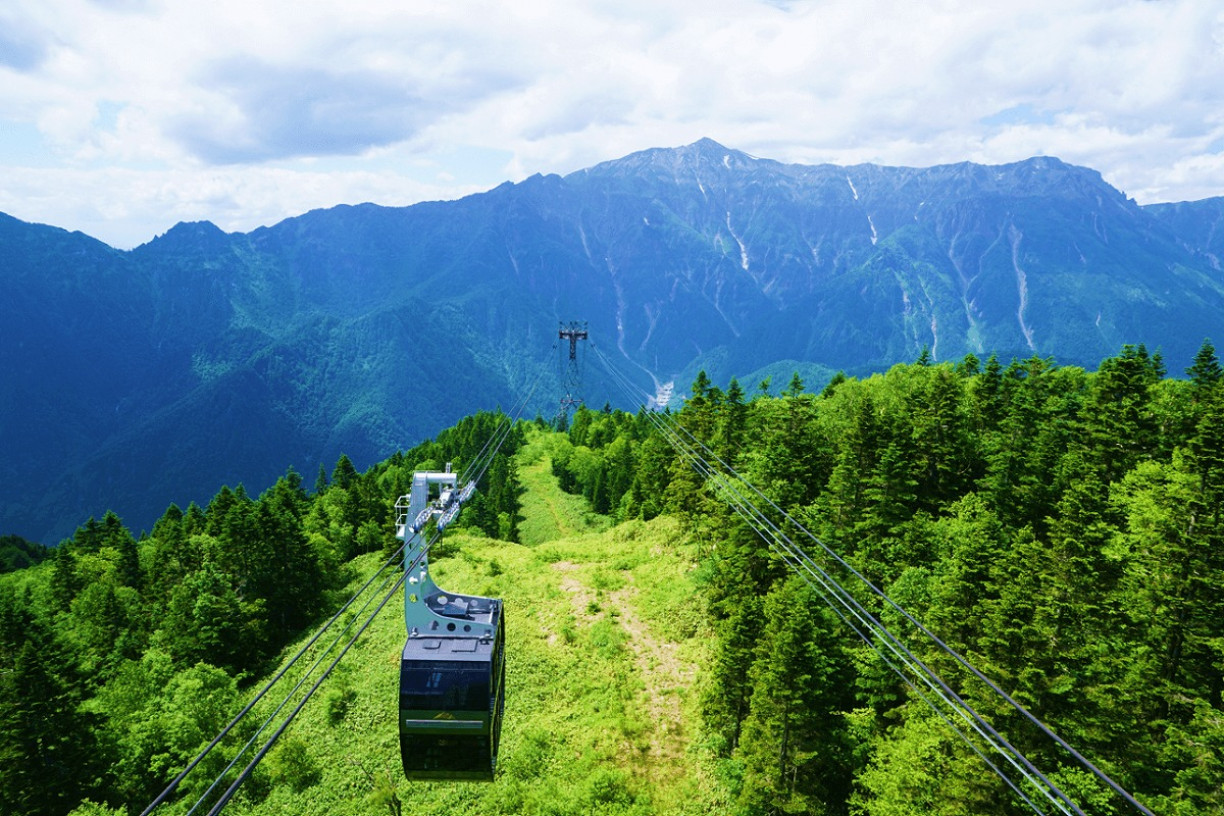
{"x":862,"y":266}
{"x":134,"y":379}
{"x":1199,"y":225}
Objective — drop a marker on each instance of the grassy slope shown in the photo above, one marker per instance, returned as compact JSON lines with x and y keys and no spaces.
{"x":548,"y":512}
{"x":604,"y":633}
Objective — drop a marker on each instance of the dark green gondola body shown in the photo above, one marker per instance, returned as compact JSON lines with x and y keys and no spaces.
{"x":452,"y":698}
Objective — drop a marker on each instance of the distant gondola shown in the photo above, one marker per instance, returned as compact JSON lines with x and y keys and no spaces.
{"x":452,"y":672}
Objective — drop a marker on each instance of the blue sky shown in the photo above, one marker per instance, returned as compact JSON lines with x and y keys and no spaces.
{"x":120,"y":118}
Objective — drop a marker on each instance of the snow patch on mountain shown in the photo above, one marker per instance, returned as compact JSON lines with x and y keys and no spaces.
{"x":1021,"y":285}
{"x":743,"y":249}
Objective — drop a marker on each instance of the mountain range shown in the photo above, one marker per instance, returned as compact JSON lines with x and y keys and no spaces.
{"x":133,"y":379}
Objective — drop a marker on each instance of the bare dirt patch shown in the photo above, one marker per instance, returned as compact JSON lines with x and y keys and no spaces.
{"x":580,"y":594}
{"x":665,"y":676}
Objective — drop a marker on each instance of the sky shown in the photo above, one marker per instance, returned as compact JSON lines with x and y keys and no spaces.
{"x":120,"y":118}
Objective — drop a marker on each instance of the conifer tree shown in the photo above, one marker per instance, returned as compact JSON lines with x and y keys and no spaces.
{"x":288,"y":575}
{"x":47,"y":755}
{"x":731,"y":423}
{"x":344,"y":474}
{"x":1206,"y":371}
{"x":726,"y":703}
{"x":117,"y":537}
{"x":1119,"y":418}
{"x":943,"y":446}
{"x":831,"y":388}
{"x":987,"y":395}
{"x":655,"y":459}
{"x":794,"y":745}
{"x":64,"y":583}
{"x":205,"y":621}
{"x":842,"y":505}
{"x":1174,"y":568}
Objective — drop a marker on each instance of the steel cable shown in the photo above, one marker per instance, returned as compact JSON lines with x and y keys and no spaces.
{"x":173,"y":786}
{"x":478,"y":467}
{"x":830,"y":591}
{"x":795,"y":557}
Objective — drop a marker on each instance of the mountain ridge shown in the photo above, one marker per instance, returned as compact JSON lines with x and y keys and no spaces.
{"x":359,"y":329}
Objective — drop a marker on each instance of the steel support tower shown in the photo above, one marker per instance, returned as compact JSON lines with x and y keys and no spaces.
{"x":571,"y":375}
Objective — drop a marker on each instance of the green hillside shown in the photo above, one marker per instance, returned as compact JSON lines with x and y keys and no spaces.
{"x":1062,"y":530}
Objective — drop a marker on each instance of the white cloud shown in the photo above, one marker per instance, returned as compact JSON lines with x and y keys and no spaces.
{"x":128,"y":207}
{"x":231,"y":111}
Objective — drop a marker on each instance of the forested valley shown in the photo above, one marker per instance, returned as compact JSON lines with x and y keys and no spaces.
{"x":1060,"y":528}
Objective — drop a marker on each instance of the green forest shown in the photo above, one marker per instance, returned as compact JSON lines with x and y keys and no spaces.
{"x":1060,"y":528}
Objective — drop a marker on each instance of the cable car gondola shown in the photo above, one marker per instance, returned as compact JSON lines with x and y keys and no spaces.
{"x":452,"y":672}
